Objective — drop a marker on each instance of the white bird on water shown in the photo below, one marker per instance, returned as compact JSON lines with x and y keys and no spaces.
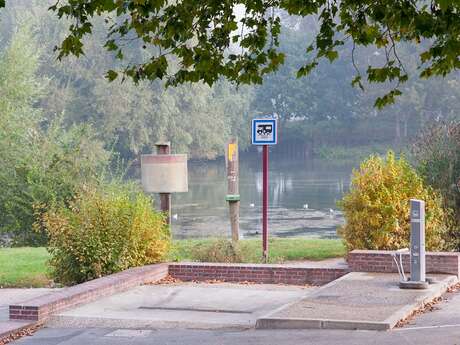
{"x":251,"y":205}
{"x":305,"y":206}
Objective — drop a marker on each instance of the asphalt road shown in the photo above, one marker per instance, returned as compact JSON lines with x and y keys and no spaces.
{"x":441,"y":326}
{"x":54,"y":336}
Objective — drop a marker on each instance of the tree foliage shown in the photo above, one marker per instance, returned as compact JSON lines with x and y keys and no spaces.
{"x":320,"y":111}
{"x":204,"y":40}
{"x":129,"y":118}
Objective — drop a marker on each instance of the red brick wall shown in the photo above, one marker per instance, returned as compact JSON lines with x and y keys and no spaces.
{"x":263,"y":274}
{"x":382,"y":261}
{"x":38,"y":309}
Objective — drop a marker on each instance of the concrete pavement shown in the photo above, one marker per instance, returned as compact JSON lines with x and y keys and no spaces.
{"x":184,"y":305}
{"x":445,"y":315}
{"x":10,"y":296}
{"x":440,"y":327}
{"x":102,"y":336}
{"x":16,"y":296}
{"x":358,"y":300}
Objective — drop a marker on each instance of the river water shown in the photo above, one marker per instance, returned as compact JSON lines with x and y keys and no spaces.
{"x":303,"y":198}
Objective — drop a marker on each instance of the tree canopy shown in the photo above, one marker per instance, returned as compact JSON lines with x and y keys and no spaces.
{"x":204,"y":40}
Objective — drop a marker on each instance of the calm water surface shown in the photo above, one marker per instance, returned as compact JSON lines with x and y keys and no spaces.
{"x":303,"y":198}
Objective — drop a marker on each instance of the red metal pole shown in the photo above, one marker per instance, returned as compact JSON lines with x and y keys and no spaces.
{"x":265,"y":203}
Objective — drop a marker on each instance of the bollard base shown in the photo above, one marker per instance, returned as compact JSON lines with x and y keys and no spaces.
{"x":418,"y":285}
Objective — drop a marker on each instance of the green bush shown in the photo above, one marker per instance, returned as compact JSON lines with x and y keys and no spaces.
{"x":219,"y":250}
{"x":100,"y":233}
{"x":377,"y":210}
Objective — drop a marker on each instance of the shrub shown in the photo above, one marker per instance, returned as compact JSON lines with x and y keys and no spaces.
{"x":377,"y":208}
{"x":100,"y":233}
{"x":437,"y":154}
{"x":220,"y":250}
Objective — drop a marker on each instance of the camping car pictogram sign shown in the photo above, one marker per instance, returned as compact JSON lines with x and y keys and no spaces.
{"x":264,"y":132}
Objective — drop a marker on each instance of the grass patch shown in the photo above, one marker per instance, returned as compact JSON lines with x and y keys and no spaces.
{"x":24,"y":267}
{"x":27,"y":267}
{"x":280,"y":250}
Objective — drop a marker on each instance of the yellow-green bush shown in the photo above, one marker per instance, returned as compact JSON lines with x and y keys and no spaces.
{"x":377,"y":208}
{"x":100,"y":233}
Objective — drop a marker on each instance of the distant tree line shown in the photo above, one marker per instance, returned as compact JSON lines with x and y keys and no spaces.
{"x":318,"y":111}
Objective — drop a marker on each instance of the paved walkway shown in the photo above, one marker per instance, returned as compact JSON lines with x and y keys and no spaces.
{"x":185,"y":305}
{"x":371,"y":301}
{"x":227,"y":310}
{"x":445,"y":315}
{"x":440,"y":327}
{"x":13,"y":296}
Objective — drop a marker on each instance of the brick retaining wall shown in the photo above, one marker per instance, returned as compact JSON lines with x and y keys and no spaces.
{"x":255,"y":273}
{"x":40,"y":308}
{"x":382,"y":261}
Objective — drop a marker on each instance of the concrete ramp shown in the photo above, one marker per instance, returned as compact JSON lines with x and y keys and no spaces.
{"x":368,"y":301}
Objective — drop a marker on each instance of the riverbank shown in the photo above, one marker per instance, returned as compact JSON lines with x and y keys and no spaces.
{"x":27,"y":267}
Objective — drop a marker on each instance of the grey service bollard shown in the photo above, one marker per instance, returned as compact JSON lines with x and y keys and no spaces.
{"x":417,"y":247}
{"x":417,"y":240}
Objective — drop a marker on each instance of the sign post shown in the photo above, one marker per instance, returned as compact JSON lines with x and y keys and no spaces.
{"x":233,"y":196}
{"x":165,"y":198}
{"x":265,"y":202}
{"x":264,"y":132}
{"x":164,"y":173}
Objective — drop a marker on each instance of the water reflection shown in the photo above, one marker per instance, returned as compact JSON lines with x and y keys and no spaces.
{"x":303,"y":196}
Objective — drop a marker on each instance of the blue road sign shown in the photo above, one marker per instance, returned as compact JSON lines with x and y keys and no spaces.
{"x":264,"y":132}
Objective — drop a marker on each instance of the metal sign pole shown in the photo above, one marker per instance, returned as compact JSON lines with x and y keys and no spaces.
{"x":265,"y":203}
{"x":264,"y":133}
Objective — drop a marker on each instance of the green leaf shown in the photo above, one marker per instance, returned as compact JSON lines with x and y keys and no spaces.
{"x":357,"y":82}
{"x":111,"y":75}
{"x":110,"y":45}
{"x":305,"y":70}
{"x":387,"y":99}
{"x":332,"y":55}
